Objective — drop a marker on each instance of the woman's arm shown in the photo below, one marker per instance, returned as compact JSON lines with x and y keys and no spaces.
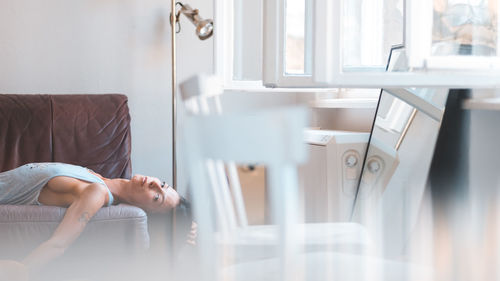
{"x":76,"y":218}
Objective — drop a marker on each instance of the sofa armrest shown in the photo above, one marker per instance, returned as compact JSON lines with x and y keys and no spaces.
{"x":113,"y":230}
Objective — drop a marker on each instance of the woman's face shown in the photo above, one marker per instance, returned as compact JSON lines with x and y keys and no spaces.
{"x":148,"y":194}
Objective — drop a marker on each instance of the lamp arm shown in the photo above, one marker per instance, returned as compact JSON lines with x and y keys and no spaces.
{"x":190,"y":13}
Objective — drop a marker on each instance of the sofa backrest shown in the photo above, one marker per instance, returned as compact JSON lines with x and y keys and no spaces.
{"x":87,"y":130}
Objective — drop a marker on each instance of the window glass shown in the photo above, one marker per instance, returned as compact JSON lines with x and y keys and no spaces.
{"x":465,"y":27}
{"x":369,"y":29}
{"x":295,"y":46}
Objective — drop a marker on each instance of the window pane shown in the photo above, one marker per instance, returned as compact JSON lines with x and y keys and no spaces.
{"x":465,"y":27}
{"x":370,"y":28}
{"x":295,"y":37}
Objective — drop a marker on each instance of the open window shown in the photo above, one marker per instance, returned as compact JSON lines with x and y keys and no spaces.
{"x":344,"y":43}
{"x":327,"y":38}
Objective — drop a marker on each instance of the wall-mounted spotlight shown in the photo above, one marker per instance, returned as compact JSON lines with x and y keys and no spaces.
{"x":204,"y":27}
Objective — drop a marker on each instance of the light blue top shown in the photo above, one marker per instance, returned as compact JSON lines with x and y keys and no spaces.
{"x":22,"y":185}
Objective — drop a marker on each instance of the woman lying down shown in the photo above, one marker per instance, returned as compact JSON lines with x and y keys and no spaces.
{"x":83,"y":192}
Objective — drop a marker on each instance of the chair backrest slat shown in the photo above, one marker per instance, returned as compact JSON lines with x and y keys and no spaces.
{"x":238,"y":196}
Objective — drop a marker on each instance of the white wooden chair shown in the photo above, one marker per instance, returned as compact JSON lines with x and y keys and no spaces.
{"x":201,"y":96}
{"x":272,"y":138}
{"x":244,"y":138}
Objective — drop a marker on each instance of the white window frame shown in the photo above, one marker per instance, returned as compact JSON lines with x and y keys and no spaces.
{"x":223,"y":40}
{"x":273,"y":70}
{"x":224,"y":67}
{"x":327,"y":60}
{"x":328,"y":72}
{"x":224,"y":23}
{"x":223,"y":52}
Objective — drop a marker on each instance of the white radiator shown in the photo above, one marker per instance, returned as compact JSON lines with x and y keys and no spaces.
{"x":328,"y":181}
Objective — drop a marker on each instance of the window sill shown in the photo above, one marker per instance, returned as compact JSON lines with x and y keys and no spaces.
{"x":256,"y":86}
{"x":351,"y":103}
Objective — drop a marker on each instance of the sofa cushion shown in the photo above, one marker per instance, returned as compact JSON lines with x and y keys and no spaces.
{"x":25,"y":130}
{"x":92,"y":131}
{"x":115,"y":230}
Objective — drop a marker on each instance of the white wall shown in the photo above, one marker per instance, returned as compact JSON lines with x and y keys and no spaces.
{"x":248,"y":40}
{"x":104,"y":46}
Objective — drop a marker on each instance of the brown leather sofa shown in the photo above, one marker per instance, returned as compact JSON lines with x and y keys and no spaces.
{"x":87,"y":130}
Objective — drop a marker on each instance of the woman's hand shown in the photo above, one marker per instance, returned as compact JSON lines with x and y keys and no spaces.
{"x":13,"y":271}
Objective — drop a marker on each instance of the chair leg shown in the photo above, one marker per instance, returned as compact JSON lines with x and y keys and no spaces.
{"x":284,"y":199}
